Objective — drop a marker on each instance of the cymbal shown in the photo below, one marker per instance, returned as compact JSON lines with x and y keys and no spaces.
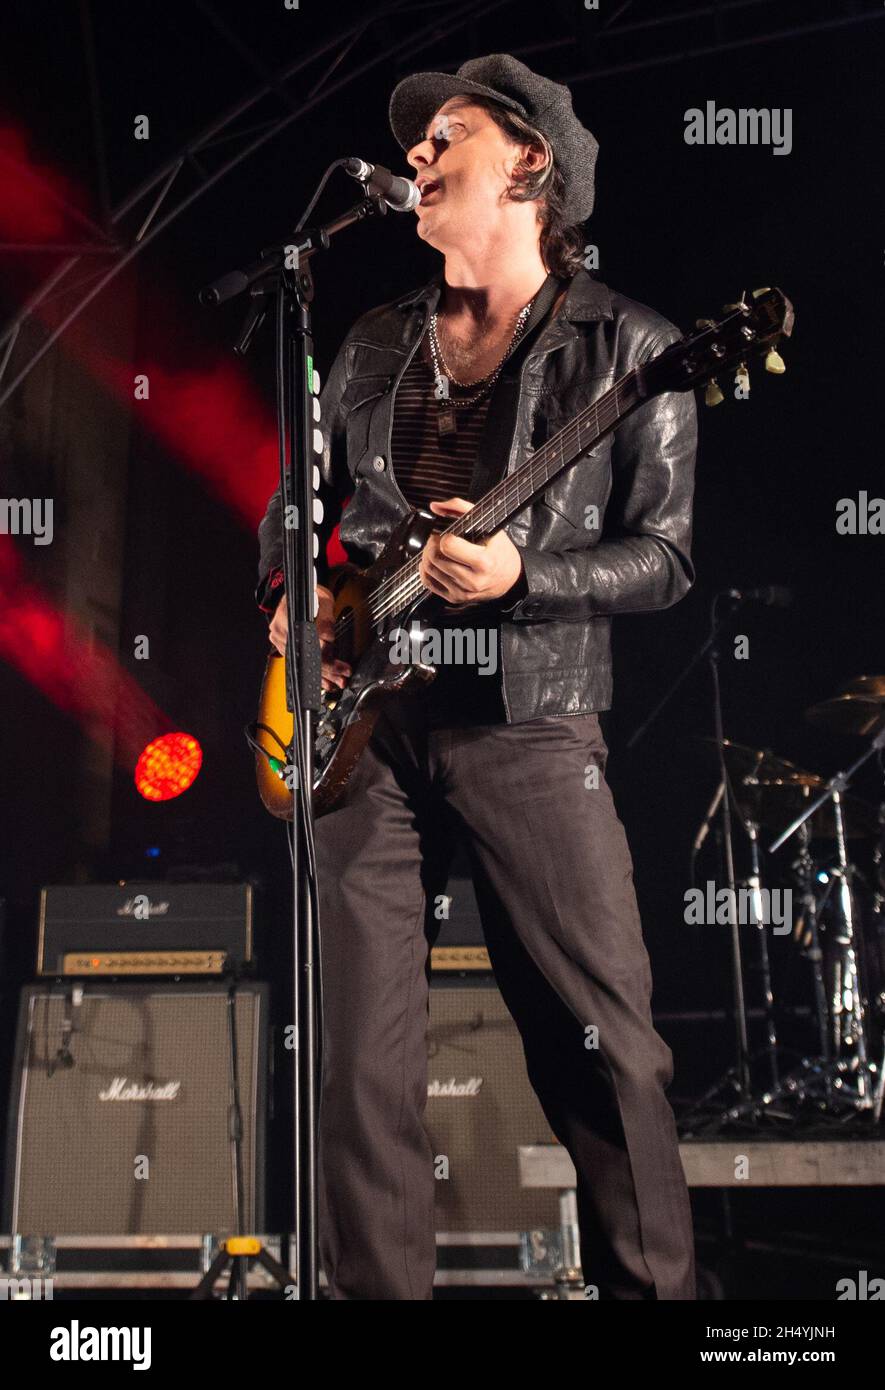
{"x":772,"y":791}
{"x":775,"y":804}
{"x":849,"y":714}
{"x":867,"y":687}
{"x":761,"y":765}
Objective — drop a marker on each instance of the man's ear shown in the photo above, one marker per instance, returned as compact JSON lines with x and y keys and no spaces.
{"x":529,"y":159}
{"x":533,"y":156}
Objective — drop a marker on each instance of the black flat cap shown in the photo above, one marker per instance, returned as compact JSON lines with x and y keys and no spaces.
{"x":546,"y":105}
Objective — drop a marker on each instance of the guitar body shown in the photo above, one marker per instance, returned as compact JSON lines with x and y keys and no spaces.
{"x":348,"y":716}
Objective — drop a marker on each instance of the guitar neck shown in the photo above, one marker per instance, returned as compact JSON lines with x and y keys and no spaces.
{"x":511,"y":494}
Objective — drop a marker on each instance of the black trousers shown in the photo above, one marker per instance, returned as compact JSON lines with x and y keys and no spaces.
{"x":554,"y":883}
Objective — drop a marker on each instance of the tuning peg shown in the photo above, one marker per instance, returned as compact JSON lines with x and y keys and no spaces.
{"x":742,"y":378}
{"x":766,"y":289}
{"x":774,"y":362}
{"x":740,"y":304}
{"x":712,"y":395}
{"x":704,"y":323}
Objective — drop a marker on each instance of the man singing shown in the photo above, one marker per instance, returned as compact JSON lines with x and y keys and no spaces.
{"x":431,"y":400}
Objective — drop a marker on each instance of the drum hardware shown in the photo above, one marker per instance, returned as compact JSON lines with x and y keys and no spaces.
{"x":751,"y":772}
{"x":761,"y":765}
{"x":843,"y":1076}
{"x":851,"y":1071}
{"x":842,"y":1079}
{"x":866,"y":688}
{"x":878,"y":923}
{"x":856,"y":710}
{"x":770,"y":788}
{"x":859,"y":711}
{"x":847,"y":714}
{"x":745,"y":770}
{"x":754,"y":882}
{"x":805,"y":872}
{"x":761,"y":782}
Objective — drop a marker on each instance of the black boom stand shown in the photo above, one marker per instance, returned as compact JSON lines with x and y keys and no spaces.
{"x":237,"y":1252}
{"x":282,"y":275}
{"x":737,"y":1079}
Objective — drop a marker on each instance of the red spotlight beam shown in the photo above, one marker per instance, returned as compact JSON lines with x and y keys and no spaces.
{"x":44,"y":199}
{"x":457,"y":16}
{"x":209,"y":417}
{"x":67,"y":248}
{"x":78,"y":675}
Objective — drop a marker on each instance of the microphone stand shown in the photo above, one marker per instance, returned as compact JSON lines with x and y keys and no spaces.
{"x":741,"y":1070}
{"x":282,"y":274}
{"x":739,"y":1074}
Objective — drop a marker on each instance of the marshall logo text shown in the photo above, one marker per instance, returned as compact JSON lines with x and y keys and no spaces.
{"x":470,"y":1087}
{"x":121,"y":1088}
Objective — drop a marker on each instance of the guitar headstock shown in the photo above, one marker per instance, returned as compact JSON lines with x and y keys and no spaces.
{"x":752,"y":327}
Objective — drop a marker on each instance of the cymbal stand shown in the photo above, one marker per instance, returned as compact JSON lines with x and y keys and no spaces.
{"x":879,"y":914}
{"x":853,"y":1077}
{"x":754,"y":883}
{"x":804,"y":870}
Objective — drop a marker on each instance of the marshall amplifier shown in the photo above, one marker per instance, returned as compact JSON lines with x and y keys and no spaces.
{"x":480,"y":1110}
{"x":144,"y":928}
{"x":460,"y":943}
{"x":120,"y":1110}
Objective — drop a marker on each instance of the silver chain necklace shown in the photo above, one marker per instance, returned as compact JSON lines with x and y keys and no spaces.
{"x":446,"y":421}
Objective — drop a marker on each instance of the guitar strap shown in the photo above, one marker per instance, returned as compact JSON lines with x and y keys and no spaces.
{"x":500,"y":423}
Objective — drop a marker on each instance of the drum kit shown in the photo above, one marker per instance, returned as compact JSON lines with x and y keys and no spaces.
{"x":837,"y":907}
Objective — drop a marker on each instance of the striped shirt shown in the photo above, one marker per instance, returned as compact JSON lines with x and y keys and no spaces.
{"x":429,"y":467}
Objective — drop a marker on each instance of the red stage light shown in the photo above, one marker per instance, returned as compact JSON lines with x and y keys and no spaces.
{"x":34,"y":194}
{"x":168,"y":766}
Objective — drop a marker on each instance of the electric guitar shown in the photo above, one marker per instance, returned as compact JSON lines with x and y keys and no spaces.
{"x":370,"y":604}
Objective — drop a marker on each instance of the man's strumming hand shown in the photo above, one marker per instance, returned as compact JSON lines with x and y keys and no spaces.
{"x":335,"y":673}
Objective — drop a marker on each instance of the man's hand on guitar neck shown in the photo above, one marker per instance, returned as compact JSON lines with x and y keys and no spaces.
{"x":335,"y":673}
{"x":462,"y":572}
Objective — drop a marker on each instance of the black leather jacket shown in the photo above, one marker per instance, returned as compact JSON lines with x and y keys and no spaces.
{"x":554,"y":651}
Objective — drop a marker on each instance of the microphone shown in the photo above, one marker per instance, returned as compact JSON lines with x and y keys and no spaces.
{"x":772,"y":595}
{"x":398,"y":193}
